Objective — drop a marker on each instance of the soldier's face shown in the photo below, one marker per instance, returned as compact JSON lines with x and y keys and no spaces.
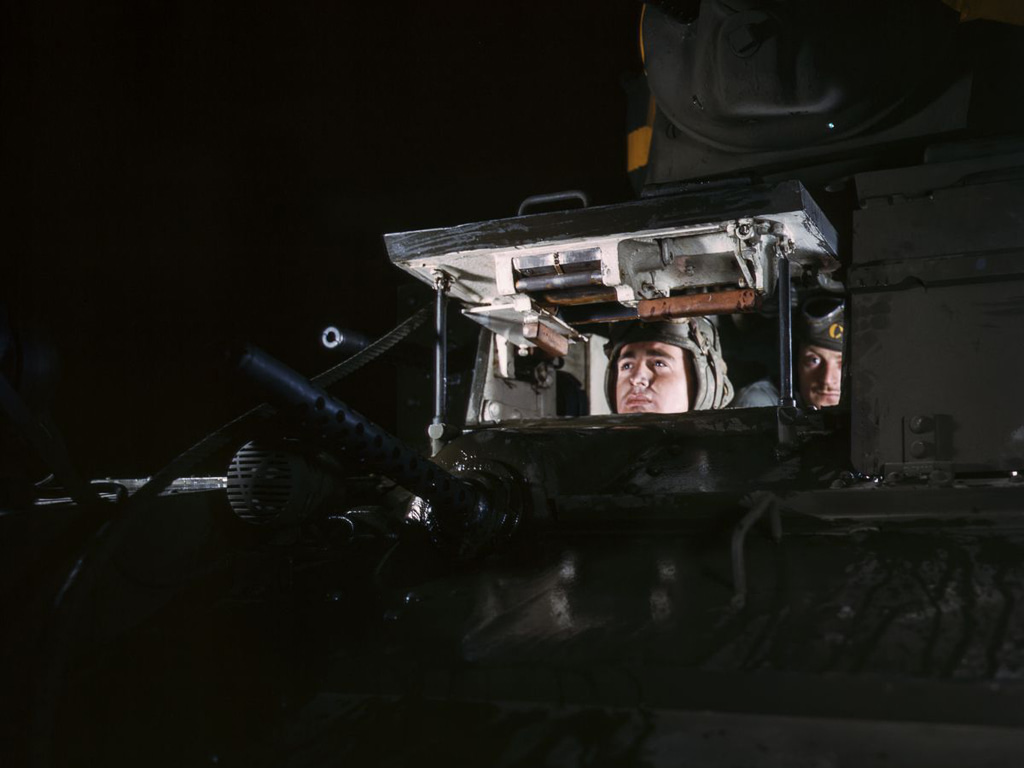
{"x":820,"y":372}
{"x":652,"y":377}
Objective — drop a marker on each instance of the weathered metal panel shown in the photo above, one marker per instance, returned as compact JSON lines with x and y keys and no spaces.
{"x":644,"y":216}
{"x":937,"y":320}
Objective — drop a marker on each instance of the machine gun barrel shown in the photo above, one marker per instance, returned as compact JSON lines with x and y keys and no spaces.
{"x":337,"y":427}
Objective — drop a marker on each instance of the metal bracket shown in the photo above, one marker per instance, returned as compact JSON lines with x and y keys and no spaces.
{"x":927,"y":451}
{"x":927,"y":438}
{"x":754,"y":244}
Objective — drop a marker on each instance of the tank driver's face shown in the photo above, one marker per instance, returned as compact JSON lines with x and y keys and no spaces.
{"x":652,"y":377}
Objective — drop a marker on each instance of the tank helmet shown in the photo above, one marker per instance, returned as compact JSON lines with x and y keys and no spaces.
{"x":823,"y":322}
{"x":696,"y":335}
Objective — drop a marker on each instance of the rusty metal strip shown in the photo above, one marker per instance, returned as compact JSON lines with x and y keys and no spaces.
{"x":546,"y":339}
{"x":693,"y":305}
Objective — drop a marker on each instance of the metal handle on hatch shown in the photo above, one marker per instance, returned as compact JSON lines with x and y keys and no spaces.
{"x":554,"y":197}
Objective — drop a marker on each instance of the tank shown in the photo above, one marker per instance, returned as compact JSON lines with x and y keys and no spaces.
{"x":557,"y":583}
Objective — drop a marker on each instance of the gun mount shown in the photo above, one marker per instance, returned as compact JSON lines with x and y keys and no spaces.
{"x":467,"y":515}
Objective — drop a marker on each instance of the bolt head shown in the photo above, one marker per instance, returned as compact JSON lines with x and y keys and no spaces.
{"x":919,"y":449}
{"x":921,"y":424}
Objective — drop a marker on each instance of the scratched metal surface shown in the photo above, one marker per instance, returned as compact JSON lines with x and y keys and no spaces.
{"x":579,"y":645}
{"x":895,"y":647}
{"x":658,"y":213}
{"x":621,"y":620}
{"x":885,"y":615}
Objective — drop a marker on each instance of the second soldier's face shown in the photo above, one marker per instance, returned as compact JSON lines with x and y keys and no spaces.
{"x":652,"y":377}
{"x":820,"y":371}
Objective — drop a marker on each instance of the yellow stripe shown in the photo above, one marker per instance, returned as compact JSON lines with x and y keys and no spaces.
{"x":643,"y":58}
{"x":638,"y":147}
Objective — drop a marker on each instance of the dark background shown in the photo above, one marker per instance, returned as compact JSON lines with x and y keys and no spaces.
{"x":182,"y":176}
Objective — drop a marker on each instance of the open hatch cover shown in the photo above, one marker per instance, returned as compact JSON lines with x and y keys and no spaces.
{"x":536,"y":279}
